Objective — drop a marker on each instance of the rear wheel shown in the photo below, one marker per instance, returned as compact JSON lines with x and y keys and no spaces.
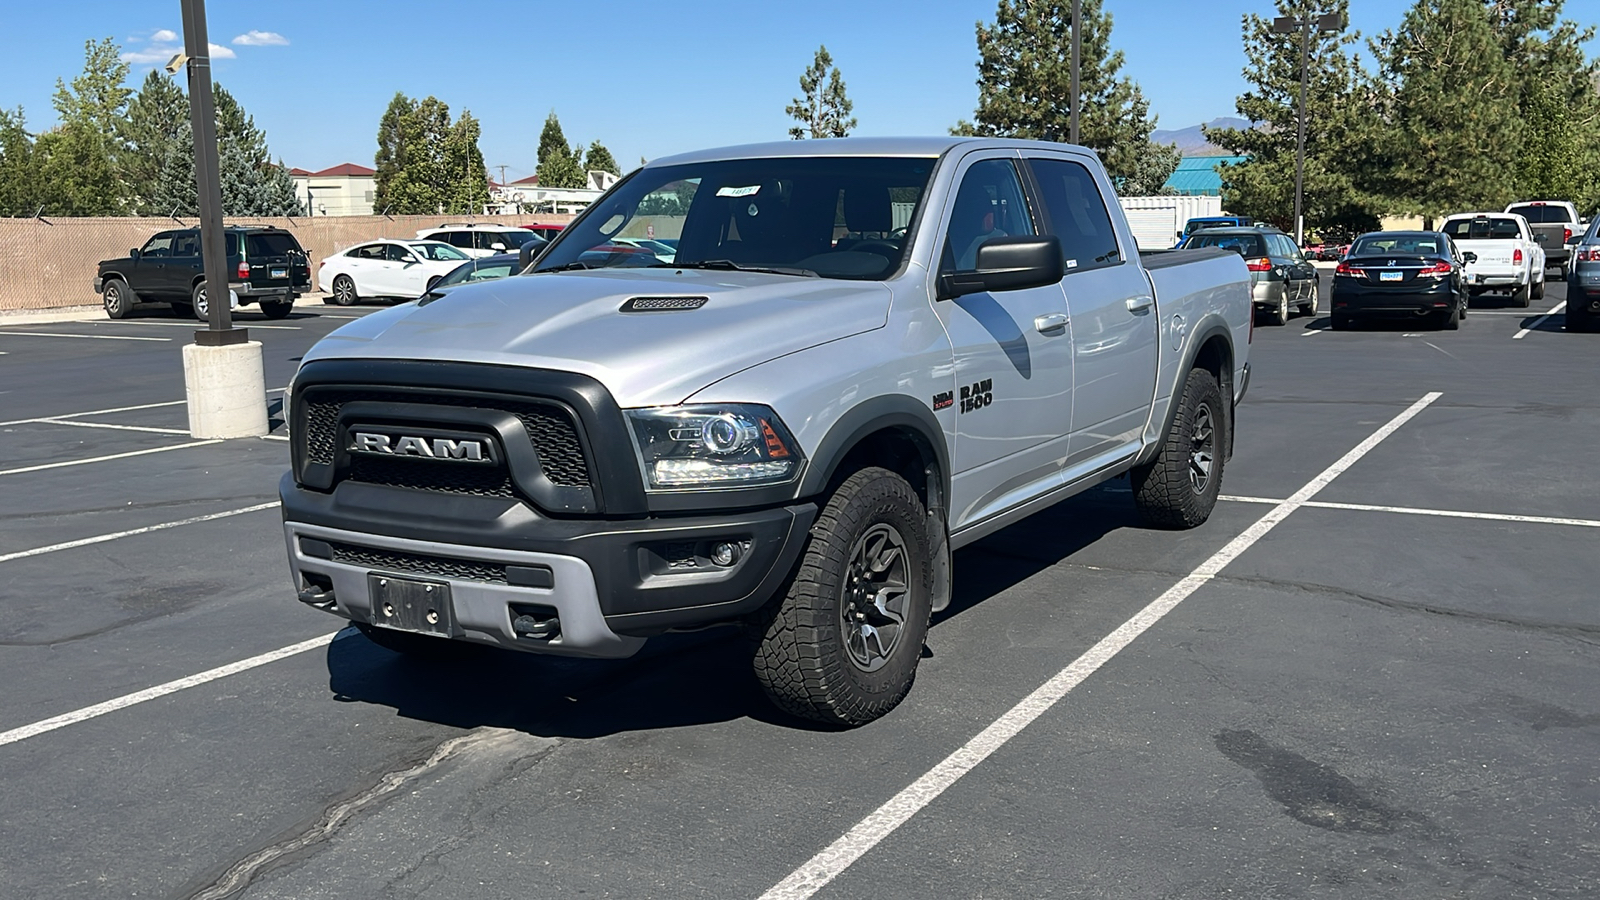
{"x":1280,"y":315}
{"x":1309,"y":308}
{"x":1179,"y":488}
{"x":118,"y":298}
{"x":1523,"y":296}
{"x":1538,"y":287}
{"x":842,"y":645}
{"x":344,"y":291}
{"x":1451,"y":320}
{"x":277,"y":309}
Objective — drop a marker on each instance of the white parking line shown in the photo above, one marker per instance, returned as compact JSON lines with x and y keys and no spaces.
{"x":197,"y":326}
{"x":1310,"y":331}
{"x":1539,"y":321}
{"x":1416,"y":511}
{"x":117,"y":535}
{"x":147,"y":428}
{"x":274,"y":437}
{"x":95,"y":459}
{"x":171,"y":687}
{"x":821,"y":869}
{"x":87,"y":337}
{"x":114,"y":409}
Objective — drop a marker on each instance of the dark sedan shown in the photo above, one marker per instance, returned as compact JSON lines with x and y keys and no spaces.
{"x":1401,"y":274}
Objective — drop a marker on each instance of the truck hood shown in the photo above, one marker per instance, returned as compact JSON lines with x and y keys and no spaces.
{"x":571,"y":321}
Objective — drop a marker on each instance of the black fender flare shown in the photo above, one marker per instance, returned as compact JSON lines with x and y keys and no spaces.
{"x":1191,"y":353}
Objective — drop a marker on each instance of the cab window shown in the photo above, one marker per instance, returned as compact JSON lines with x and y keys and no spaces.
{"x":1077,"y":214}
{"x":159,"y":246}
{"x":988,"y":205}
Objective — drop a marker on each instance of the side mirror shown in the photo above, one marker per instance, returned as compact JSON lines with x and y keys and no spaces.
{"x":1008,"y":264}
{"x":1469,"y":256}
{"x":133,"y":254}
{"x":497,"y":247}
{"x":525,"y":255}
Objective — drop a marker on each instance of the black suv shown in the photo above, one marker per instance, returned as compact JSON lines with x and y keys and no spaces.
{"x":264,"y":265}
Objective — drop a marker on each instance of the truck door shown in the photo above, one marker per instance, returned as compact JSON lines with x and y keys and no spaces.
{"x":148,"y":274}
{"x":185,"y":265}
{"x":1012,"y":350}
{"x":1115,"y":324}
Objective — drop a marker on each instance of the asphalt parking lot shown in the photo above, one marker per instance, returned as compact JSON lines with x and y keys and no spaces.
{"x":1371,"y":674}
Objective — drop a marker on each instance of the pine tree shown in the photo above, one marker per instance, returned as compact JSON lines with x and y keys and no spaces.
{"x":252,"y":184}
{"x":156,"y":115}
{"x":19,"y":181}
{"x":823,"y":108}
{"x":1557,"y":94}
{"x":1341,"y":131}
{"x":466,"y":179}
{"x":390,"y":159}
{"x":560,"y":166}
{"x":600,"y":159}
{"x":1451,"y":103}
{"x":1025,"y":86}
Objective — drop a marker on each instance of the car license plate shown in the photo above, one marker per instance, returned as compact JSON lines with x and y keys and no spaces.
{"x":1391,"y":276}
{"x":280,"y":273}
{"x":407,"y":605}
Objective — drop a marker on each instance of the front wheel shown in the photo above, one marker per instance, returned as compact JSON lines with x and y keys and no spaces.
{"x":842,"y":645}
{"x":1179,"y":488}
{"x":202,"y":309}
{"x":278,"y":310}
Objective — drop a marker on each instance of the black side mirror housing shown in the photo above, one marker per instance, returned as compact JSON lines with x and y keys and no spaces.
{"x":133,"y":254}
{"x":1469,"y":256}
{"x":525,"y":255}
{"x":1008,"y":264}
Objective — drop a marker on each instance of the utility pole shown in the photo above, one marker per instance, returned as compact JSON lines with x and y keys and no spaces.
{"x":502,"y":175}
{"x":1287,"y":25}
{"x":222,"y":370}
{"x":1077,"y":19}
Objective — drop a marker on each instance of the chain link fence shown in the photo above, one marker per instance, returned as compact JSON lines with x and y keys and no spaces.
{"x":48,"y":263}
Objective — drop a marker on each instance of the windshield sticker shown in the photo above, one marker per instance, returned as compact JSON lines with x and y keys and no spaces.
{"x":750,"y":191}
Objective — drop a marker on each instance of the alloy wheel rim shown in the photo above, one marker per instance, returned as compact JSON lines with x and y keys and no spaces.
{"x":342,"y":290}
{"x":113,"y":297}
{"x":1202,"y":448}
{"x":873,"y":609}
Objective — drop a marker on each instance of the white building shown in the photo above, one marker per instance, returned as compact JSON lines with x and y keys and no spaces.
{"x":525,"y":196}
{"x":344,"y":190}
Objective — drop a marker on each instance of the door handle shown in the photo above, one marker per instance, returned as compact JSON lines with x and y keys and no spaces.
{"x":1051,"y":322}
{"x":1140,"y":304}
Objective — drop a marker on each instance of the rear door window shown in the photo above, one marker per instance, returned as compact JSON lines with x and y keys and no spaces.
{"x":186,"y":243}
{"x":1077,"y":214}
{"x":461,"y":239}
{"x":370,"y":251}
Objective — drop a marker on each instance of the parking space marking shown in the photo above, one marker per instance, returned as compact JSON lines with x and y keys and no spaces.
{"x":198,"y":325}
{"x":87,"y":337}
{"x":274,"y":437}
{"x":171,"y":687}
{"x":118,"y":535}
{"x":94,"y":459}
{"x":1310,"y":331}
{"x":1417,"y":511}
{"x":102,"y":412}
{"x":828,"y":864}
{"x":1539,"y":321}
{"x":146,"y":428}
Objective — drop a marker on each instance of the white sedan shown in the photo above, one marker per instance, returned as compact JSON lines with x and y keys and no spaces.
{"x":384,"y":268}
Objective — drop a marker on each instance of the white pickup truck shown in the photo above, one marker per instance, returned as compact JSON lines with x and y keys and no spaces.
{"x":1505,"y":258}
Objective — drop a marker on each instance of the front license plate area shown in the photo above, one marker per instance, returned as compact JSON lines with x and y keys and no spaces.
{"x":407,"y":605}
{"x":1390,"y":276}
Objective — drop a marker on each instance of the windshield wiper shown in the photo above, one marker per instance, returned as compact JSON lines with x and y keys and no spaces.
{"x":728,"y":265}
{"x":567,"y":267}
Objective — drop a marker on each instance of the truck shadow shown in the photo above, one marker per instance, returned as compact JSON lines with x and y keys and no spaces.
{"x":677,"y":679}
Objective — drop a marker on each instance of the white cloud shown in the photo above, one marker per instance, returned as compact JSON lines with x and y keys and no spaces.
{"x":261,"y":39}
{"x":152,"y":56}
{"x":164,"y":36}
{"x":220,"y":52}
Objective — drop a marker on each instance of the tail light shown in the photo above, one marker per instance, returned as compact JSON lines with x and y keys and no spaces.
{"x":1516,"y":256}
{"x":1259,"y":265}
{"x":1583,"y":255}
{"x":1441,"y":269}
{"x":244,"y":270}
{"x":1345,"y":268}
{"x":1566,"y":235}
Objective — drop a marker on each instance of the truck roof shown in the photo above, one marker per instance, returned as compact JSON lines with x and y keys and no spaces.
{"x":930,"y":147}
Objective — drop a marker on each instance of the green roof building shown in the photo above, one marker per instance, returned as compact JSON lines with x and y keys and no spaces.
{"x":1197,"y":176}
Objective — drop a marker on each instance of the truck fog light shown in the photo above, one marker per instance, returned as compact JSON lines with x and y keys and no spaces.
{"x":725,"y":554}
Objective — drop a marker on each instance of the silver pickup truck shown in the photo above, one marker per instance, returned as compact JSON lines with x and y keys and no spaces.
{"x":864,"y":354}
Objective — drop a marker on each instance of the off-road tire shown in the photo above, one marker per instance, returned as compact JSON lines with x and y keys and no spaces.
{"x":117,"y":298}
{"x":801,"y":658}
{"x":279,"y":310}
{"x":344,"y":291}
{"x":1167,"y":494}
{"x":417,"y":646}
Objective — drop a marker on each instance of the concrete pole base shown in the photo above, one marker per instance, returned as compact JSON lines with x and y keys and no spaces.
{"x":226,"y":390}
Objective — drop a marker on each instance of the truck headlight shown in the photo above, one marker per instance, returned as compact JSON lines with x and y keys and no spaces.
{"x":733,"y":445}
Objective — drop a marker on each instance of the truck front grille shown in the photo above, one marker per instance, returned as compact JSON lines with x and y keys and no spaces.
{"x":374,"y":559}
{"x":549,"y":427}
{"x":430,"y":475}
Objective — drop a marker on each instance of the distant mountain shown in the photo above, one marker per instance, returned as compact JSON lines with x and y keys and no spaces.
{"x":1191,"y":142}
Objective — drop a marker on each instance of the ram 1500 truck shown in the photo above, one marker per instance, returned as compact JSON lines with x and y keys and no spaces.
{"x":865,"y":354}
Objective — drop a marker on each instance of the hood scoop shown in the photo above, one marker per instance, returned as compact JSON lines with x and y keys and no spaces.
{"x":662,"y":304}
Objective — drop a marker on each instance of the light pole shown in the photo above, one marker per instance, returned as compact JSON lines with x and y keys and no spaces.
{"x":1077,"y":18}
{"x":1287,"y":25}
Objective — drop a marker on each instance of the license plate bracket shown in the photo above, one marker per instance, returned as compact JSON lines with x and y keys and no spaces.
{"x":280,"y":273}
{"x":1390,"y":276}
{"x":410,"y":605}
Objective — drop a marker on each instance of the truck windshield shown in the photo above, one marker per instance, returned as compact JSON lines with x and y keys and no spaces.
{"x":837,"y":217}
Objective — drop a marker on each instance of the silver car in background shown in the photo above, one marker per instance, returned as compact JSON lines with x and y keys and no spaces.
{"x":1281,"y":277}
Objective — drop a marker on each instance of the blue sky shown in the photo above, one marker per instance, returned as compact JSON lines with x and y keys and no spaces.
{"x":646,"y":79}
